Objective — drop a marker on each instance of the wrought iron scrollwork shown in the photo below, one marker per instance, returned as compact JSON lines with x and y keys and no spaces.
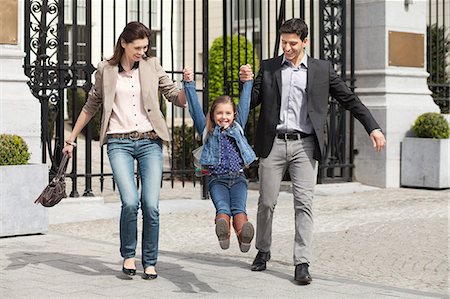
{"x":42,"y":66}
{"x":336,"y":161}
{"x":333,"y":33}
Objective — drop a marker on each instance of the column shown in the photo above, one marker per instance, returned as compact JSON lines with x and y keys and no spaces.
{"x":19,"y":110}
{"x":390,"y":37}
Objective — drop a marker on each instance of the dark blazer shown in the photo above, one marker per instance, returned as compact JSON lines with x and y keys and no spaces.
{"x":322,"y":81}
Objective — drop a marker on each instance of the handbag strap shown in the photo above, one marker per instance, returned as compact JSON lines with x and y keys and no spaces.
{"x":62,"y":166}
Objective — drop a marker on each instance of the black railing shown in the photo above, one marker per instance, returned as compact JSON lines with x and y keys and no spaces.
{"x":63,"y":46}
{"x":337,"y":161}
{"x":438,"y":53}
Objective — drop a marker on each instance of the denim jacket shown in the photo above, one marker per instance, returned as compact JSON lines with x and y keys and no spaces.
{"x":211,"y":148}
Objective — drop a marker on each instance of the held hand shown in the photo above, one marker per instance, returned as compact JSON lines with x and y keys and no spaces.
{"x":378,"y":140}
{"x":68,"y":149}
{"x":188,"y":74}
{"x":245,"y":73}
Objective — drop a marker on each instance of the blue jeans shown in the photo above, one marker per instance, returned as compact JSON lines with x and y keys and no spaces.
{"x":122,"y":153}
{"x":229,"y":193}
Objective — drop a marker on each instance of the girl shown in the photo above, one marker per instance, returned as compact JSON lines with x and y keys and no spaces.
{"x":225,"y":153}
{"x":133,"y":128}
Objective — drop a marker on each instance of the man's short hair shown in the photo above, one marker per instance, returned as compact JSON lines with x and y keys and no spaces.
{"x":297,"y":26}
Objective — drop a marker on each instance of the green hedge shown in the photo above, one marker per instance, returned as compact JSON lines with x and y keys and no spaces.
{"x":431,"y":125}
{"x":13,"y":150}
{"x":438,"y":45}
{"x":81,"y":100}
{"x":216,"y":84}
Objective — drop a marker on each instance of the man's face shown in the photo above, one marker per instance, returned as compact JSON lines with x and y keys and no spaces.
{"x":293,"y":46}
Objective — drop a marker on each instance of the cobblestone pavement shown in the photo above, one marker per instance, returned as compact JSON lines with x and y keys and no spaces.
{"x":381,"y":243}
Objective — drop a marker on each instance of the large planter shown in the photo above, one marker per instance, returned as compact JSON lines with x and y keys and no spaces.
{"x":425,"y":163}
{"x":20,"y":185}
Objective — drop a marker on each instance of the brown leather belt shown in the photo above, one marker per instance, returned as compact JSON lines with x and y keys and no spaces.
{"x":292,"y":136}
{"x":135,"y":135}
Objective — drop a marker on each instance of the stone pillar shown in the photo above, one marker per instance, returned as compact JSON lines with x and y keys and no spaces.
{"x":390,"y":38}
{"x":19,"y":110}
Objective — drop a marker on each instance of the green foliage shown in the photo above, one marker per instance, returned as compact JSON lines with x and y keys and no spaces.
{"x":13,"y":150}
{"x":438,"y":43}
{"x":431,"y":125}
{"x":216,"y":65}
{"x":81,"y":99}
{"x":163,"y":106}
{"x":183,"y":160}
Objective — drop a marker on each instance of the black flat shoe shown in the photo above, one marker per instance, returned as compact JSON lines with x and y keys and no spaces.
{"x":149,"y":276}
{"x":129,"y":272}
{"x":259,"y":264}
{"x":302,"y":275}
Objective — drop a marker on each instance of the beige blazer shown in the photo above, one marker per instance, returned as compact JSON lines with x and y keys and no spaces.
{"x":153,"y":79}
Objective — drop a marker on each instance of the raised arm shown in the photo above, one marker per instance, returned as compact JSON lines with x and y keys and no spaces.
{"x":246,"y":76}
{"x":195,"y":109}
{"x":243,"y":107}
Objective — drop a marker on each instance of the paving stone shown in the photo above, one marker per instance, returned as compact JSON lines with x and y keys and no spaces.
{"x":368,"y":243}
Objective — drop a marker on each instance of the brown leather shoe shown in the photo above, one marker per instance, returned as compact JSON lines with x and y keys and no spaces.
{"x":244,"y":231}
{"x":223,"y":230}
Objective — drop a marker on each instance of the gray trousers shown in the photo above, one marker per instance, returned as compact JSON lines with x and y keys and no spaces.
{"x":298,"y":156}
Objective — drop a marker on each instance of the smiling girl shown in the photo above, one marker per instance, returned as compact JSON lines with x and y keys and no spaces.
{"x":225,"y":153}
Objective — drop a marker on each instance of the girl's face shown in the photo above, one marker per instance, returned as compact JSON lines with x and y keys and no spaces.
{"x":224,"y":115}
{"x":135,"y":50}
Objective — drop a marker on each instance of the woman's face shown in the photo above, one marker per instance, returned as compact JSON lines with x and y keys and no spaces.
{"x":224,"y":115}
{"x":135,"y":50}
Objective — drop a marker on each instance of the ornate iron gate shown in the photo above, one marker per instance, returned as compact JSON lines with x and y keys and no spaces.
{"x":438,"y":52}
{"x":65,"y":39}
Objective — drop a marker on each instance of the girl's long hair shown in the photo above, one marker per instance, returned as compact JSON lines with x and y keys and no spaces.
{"x":210,"y":124}
{"x":131,"y":32}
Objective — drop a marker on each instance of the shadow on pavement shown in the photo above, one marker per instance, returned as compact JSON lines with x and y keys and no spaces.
{"x":227,"y":261}
{"x":185,"y":280}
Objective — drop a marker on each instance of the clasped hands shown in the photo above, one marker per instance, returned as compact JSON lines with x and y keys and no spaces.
{"x":245,"y":73}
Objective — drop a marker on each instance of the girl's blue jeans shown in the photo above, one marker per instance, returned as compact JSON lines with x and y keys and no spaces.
{"x":123,"y":153}
{"x":229,"y":193}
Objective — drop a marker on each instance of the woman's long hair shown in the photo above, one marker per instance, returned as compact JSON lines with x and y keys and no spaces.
{"x":131,"y":32}
{"x":210,"y":123}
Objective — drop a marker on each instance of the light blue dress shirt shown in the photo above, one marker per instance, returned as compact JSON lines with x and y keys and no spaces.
{"x":294,"y":99}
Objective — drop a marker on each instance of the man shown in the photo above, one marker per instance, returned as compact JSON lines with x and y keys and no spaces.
{"x":293,"y":91}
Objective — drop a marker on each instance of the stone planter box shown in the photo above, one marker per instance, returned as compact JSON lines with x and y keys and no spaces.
{"x":425,"y":163}
{"x":20,"y":185}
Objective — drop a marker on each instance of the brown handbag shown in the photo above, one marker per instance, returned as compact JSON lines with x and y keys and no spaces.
{"x":56,"y":189}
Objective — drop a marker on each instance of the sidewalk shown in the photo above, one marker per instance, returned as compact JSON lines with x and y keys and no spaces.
{"x":369,"y":243}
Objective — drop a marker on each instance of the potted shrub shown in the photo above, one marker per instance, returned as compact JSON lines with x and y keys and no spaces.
{"x":425,"y":158}
{"x":20,"y":184}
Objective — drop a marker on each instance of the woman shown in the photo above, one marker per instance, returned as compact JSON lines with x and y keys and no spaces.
{"x":134,"y":128}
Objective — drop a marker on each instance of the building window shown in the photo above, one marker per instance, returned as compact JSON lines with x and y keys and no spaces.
{"x":247,"y":22}
{"x":145,"y":11}
{"x":79,"y":57}
{"x":153,"y":42}
{"x":253,"y":8}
